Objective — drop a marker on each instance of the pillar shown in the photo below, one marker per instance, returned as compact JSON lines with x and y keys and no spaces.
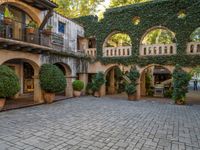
{"x":111,"y":88}
{"x":84,"y":77}
{"x":69,"y":89}
{"x":38,"y":95}
{"x":138,"y":93}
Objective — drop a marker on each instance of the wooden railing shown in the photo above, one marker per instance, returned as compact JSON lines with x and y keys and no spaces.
{"x":157,"y":49}
{"x":193,"y":48}
{"x":117,"y":51}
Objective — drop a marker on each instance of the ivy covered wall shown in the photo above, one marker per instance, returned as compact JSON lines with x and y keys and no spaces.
{"x":157,"y":13}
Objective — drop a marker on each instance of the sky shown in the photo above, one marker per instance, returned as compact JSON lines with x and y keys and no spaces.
{"x":104,"y":5}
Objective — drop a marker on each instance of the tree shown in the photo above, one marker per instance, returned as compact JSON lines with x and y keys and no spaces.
{"x":118,"y":3}
{"x":77,"y":8}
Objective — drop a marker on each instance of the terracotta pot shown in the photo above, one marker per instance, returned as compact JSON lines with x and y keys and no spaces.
{"x":49,"y":97}
{"x":180,"y":102}
{"x":47,"y":32}
{"x":97,"y":94}
{"x":30,"y":30}
{"x":77,"y":93}
{"x":132,"y":97}
{"x":2,"y":103}
{"x":7,"y":21}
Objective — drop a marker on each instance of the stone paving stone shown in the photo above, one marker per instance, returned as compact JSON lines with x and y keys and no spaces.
{"x":90,"y":123}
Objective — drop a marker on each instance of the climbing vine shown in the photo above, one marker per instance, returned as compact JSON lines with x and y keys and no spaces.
{"x":162,"y":13}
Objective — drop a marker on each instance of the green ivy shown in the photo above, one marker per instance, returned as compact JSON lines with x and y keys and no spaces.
{"x":156,"y":13}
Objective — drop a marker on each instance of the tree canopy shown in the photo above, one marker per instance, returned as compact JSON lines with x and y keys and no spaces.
{"x":118,"y":3}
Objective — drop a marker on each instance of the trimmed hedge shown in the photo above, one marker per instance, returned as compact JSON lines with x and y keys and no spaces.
{"x":52,"y":79}
{"x":9,"y":82}
{"x":78,"y":85}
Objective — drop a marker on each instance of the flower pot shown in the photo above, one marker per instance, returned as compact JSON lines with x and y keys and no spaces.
{"x":30,"y":30}
{"x":7,"y":21}
{"x":47,"y":32}
{"x":132,"y":97}
{"x":77,"y":93}
{"x":180,"y":102}
{"x":2,"y":103}
{"x":49,"y":97}
{"x":97,"y":94}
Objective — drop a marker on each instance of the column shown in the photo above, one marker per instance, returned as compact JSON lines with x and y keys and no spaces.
{"x":69,"y":88}
{"x":38,"y":95}
{"x":138,"y":95}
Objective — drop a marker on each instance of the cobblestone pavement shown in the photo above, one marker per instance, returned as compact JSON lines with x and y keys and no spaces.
{"x":90,"y":123}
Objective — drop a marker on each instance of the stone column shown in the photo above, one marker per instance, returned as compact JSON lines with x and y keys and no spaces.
{"x":84,"y":77}
{"x":111,"y":88}
{"x":69,"y":89}
{"x":38,"y":95}
{"x":138,"y":95}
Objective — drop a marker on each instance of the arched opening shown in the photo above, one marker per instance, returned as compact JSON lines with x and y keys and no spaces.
{"x":156,"y":81}
{"x":67,"y":72}
{"x":17,"y":29}
{"x":115,"y":84}
{"x":117,"y":44}
{"x":158,"y":41}
{"x":194,"y":45}
{"x":26,"y":70}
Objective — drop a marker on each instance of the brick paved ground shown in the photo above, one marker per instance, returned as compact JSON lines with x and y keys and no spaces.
{"x":101,"y":124}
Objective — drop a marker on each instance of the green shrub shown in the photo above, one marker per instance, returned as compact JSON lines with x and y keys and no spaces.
{"x":52,"y":79}
{"x":78,"y":85}
{"x":180,"y":83}
{"x":130,"y":89}
{"x":9,"y":82}
{"x":97,"y":81}
{"x":168,"y":93}
{"x":133,"y":75}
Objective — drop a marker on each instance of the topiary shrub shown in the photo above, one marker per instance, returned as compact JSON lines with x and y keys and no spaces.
{"x":97,"y":81}
{"x":180,"y":84}
{"x":130,"y":89}
{"x":9,"y":82}
{"x":78,"y":85}
{"x":52,"y":79}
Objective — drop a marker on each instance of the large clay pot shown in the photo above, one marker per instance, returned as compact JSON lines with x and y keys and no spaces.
{"x":47,"y":32}
{"x":2,"y":103}
{"x":77,"y":93}
{"x":132,"y":97}
{"x":97,"y":94}
{"x":7,"y":21}
{"x":30,"y":30}
{"x":49,"y":97}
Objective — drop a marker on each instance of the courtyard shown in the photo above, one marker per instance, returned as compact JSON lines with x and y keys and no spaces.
{"x":89,"y":123}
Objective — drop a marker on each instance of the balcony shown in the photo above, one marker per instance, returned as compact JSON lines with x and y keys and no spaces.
{"x":123,"y":51}
{"x":16,"y":36}
{"x":193,"y":48}
{"x":158,"y":49}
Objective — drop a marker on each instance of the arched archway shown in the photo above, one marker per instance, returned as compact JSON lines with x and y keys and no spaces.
{"x":68,"y":73}
{"x":156,"y":80}
{"x":193,"y":46}
{"x":117,"y":44}
{"x":158,"y":41}
{"x":23,"y":6}
{"x":27,"y":72}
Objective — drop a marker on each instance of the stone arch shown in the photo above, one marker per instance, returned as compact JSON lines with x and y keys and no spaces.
{"x":113,"y":33}
{"x":68,"y":73}
{"x":142,"y":86}
{"x":34,"y":13}
{"x":154,"y":28}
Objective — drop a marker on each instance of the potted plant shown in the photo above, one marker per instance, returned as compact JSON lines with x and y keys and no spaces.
{"x":9,"y":84}
{"x":131,"y":90}
{"x":48,"y":30}
{"x":31,"y":27}
{"x":131,"y":86}
{"x":8,"y":17}
{"x":97,"y":81}
{"x":180,"y":85}
{"x":89,"y":89}
{"x":52,"y":80}
{"x":78,"y":86}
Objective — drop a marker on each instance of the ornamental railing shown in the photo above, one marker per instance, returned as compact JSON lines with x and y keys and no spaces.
{"x":123,"y":51}
{"x":157,"y":49}
{"x":193,"y":48}
{"x":91,"y":52}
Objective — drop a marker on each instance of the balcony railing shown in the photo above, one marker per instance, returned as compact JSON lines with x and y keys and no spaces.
{"x":193,"y":48}
{"x":157,"y":49}
{"x":91,"y":52}
{"x":123,"y":51}
{"x":18,"y":31}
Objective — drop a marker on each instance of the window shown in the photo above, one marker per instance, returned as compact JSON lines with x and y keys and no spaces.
{"x":61,"y":27}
